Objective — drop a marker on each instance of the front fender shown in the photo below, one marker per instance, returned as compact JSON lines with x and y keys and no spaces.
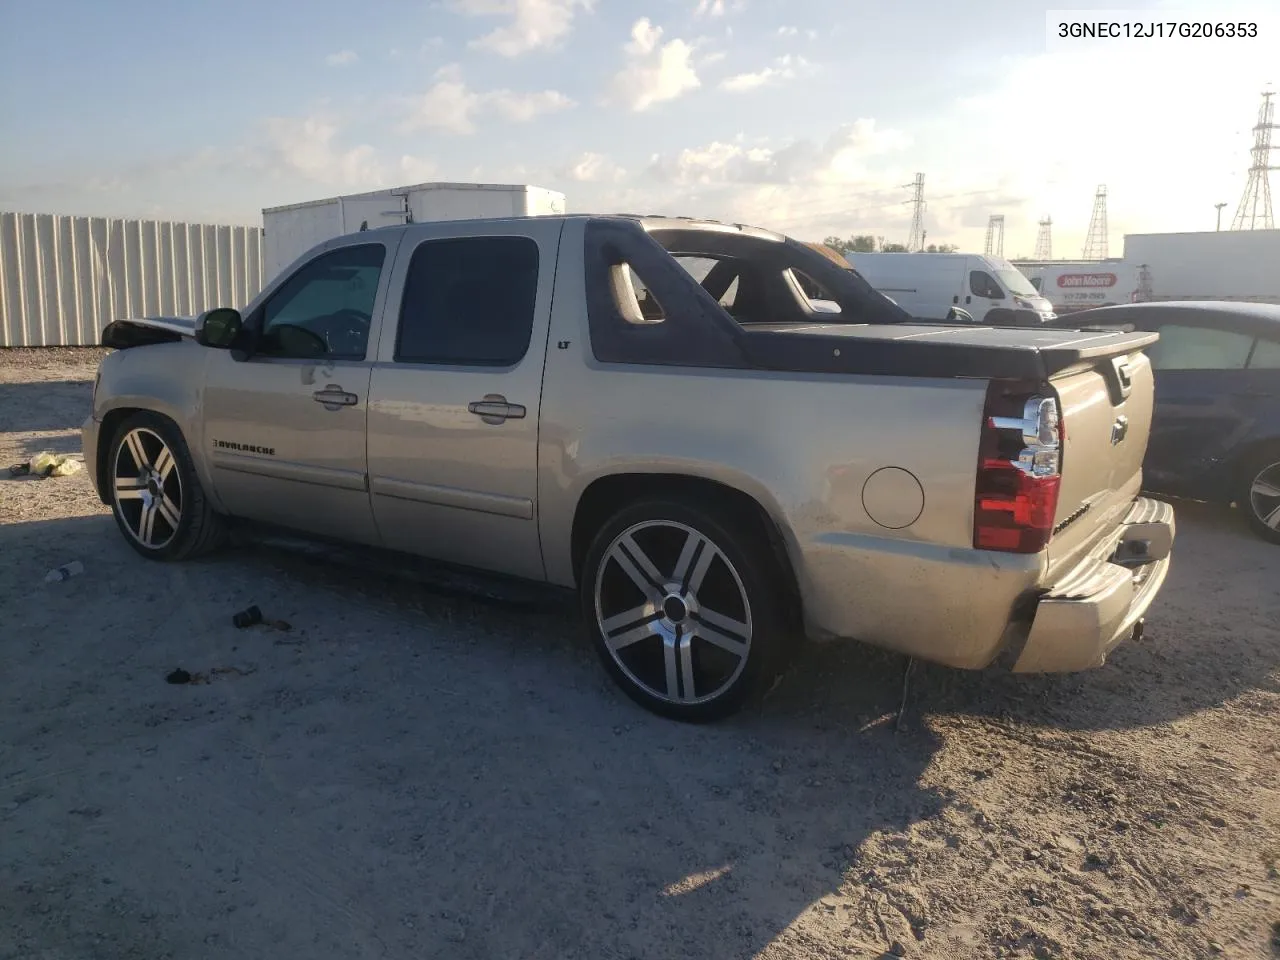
{"x":164,"y":378}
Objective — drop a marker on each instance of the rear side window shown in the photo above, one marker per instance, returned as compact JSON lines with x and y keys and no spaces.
{"x":1199,"y":348}
{"x":469,"y":301}
{"x":1266,"y":355}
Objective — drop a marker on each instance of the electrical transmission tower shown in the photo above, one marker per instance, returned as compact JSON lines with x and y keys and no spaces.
{"x":1254,"y":212}
{"x":1044,"y":240}
{"x":916,"y":240}
{"x":995,"y":236}
{"x":1095,"y":245}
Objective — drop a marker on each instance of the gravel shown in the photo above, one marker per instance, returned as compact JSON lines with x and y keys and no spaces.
{"x":411,"y":771}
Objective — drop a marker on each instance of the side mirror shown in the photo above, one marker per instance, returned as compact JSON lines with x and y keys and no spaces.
{"x":959,"y":315}
{"x":219,"y":328}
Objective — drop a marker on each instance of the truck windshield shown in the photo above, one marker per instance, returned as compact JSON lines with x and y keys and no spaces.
{"x":1016,"y":283}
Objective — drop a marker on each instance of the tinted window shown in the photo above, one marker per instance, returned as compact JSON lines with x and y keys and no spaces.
{"x":1198,"y":348}
{"x":817,"y":297}
{"x":701,"y":269}
{"x":469,"y":301}
{"x":982,"y":285}
{"x":1266,"y":355}
{"x":325,"y":309}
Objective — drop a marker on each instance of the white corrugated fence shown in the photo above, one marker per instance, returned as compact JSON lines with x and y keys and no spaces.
{"x":63,"y":279}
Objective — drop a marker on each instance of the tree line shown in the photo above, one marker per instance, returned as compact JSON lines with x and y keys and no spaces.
{"x":864,"y":243}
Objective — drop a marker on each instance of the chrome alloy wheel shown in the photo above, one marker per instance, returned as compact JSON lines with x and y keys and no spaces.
{"x":147,"y":488}
{"x":1264,"y":496}
{"x":673,"y":612}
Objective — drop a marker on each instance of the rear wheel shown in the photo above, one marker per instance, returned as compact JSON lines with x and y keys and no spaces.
{"x":156,"y":496}
{"x":1260,"y":493}
{"x":685,"y":607}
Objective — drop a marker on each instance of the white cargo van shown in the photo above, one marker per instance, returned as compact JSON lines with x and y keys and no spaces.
{"x":928,"y":285}
{"x":290,"y":231}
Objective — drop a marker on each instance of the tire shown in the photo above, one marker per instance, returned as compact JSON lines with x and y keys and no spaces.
{"x":1258,"y":492}
{"x":155,"y":494}
{"x":683,"y":604}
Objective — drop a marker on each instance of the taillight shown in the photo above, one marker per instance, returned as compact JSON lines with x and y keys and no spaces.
{"x":1019,"y":470}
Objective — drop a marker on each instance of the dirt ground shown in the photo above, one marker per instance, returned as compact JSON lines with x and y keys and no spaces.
{"x":412,"y":772}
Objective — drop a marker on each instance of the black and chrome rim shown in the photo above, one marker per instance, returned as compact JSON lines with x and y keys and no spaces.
{"x":147,"y":488}
{"x":673,"y":612}
{"x":1264,"y":496}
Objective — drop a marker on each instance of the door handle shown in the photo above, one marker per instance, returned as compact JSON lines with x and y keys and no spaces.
{"x":956,"y":298}
{"x":494,"y":408}
{"x":334,"y":397}
{"x":968,"y":299}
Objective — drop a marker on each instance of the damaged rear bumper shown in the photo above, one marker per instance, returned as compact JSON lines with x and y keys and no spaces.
{"x":1101,"y":602}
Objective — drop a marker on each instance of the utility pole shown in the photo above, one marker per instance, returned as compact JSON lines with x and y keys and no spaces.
{"x":1218,"y":207}
{"x":916,"y":240}
{"x":1044,"y":240}
{"x":1254,"y":212}
{"x":995,"y":236}
{"x":1095,"y":245}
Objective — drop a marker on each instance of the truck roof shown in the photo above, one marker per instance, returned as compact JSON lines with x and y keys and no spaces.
{"x":651,"y":223}
{"x":1257,"y":318}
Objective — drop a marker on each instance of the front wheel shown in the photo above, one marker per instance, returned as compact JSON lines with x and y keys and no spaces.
{"x":156,"y":497}
{"x":685,"y":606}
{"x":1260,"y":496}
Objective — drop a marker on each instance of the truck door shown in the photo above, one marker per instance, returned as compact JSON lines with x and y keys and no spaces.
{"x":453,"y":416}
{"x":984,"y":292}
{"x":286,"y":427}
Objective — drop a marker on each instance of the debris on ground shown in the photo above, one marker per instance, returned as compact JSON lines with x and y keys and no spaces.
{"x":180,"y":676}
{"x":48,"y":464}
{"x":64,"y":572}
{"x":247,"y":617}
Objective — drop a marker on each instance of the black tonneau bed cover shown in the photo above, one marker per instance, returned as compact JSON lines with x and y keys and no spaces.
{"x":927,"y":350}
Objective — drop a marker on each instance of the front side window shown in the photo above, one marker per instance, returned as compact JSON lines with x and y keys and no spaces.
{"x":324,"y":310}
{"x":1199,"y":348}
{"x":469,"y":302}
{"x":1016,"y":282}
{"x":981,"y":284}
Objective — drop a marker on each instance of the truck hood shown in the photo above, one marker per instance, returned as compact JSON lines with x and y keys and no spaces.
{"x":930,"y":350}
{"x":140,"y":331}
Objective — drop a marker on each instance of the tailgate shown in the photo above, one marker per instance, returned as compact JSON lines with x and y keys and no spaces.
{"x":1106,"y":418}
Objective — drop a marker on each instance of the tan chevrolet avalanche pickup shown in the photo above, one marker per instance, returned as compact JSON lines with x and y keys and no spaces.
{"x":722,"y":439}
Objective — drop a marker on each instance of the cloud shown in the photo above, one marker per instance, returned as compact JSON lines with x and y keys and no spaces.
{"x":655,"y":72}
{"x":343,"y":58}
{"x":784,"y":68}
{"x":844,"y":157}
{"x":593,"y":168}
{"x":533,"y":24}
{"x":305,"y":147}
{"x":416,"y":169}
{"x":450,"y":106}
{"x":709,"y":8}
{"x":523,"y":107}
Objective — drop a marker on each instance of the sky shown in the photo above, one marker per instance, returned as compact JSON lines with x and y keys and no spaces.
{"x":807,"y":116}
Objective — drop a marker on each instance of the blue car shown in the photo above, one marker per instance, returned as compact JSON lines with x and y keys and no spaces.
{"x":1215,"y":432}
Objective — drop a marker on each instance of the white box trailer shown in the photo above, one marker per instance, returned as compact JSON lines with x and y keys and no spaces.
{"x":1209,"y":265}
{"x":1072,"y":285}
{"x":290,"y":231}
